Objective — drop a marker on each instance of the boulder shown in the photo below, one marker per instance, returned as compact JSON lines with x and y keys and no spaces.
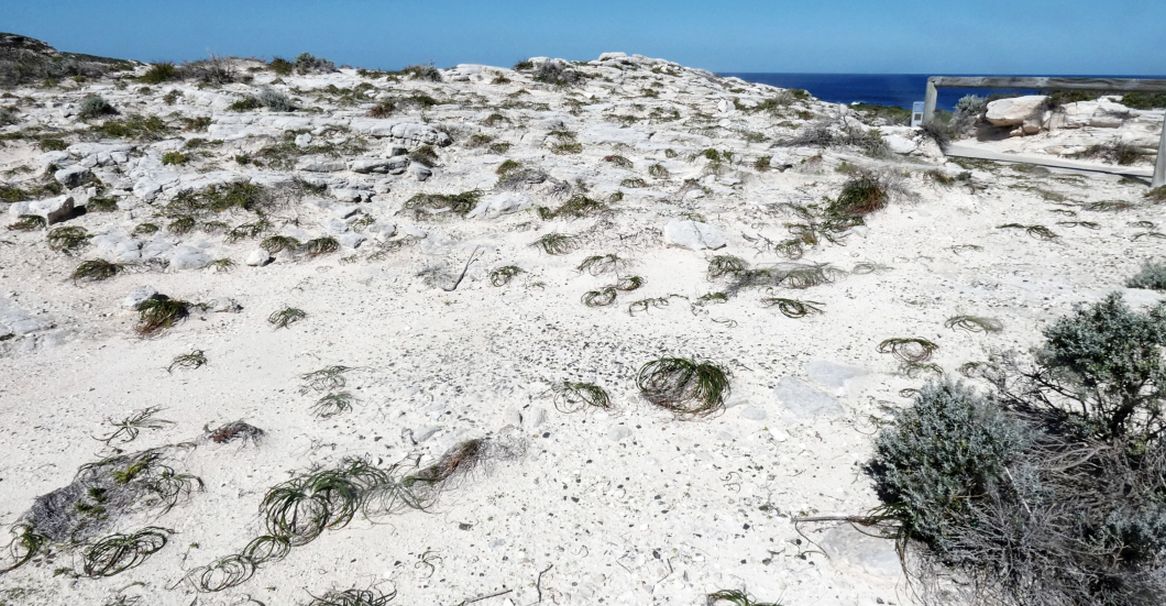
{"x":320,"y":164}
{"x":186,"y":257}
{"x":693,"y":235}
{"x":900,"y":144}
{"x":504,"y":203}
{"x":73,"y":176}
{"x":420,"y":171}
{"x":394,"y":165}
{"x":258,"y":258}
{"x":54,"y":210}
{"x":1017,"y":111}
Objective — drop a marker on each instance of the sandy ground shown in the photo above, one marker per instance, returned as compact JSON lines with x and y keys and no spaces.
{"x":627,"y":506}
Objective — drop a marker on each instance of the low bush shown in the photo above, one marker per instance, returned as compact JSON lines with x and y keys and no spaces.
{"x":94,"y":106}
{"x":1152,"y":276}
{"x":1050,"y":487}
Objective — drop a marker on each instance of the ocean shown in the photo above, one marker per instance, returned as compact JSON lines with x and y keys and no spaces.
{"x":899,"y":90}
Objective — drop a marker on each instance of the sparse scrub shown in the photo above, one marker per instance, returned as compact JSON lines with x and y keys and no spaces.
{"x":684,"y":386}
{"x":859,"y":197}
{"x":286,"y":317}
{"x":134,"y":126}
{"x":175,"y":158}
{"x":161,"y":72}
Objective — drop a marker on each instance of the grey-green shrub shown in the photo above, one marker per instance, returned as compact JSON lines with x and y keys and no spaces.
{"x":276,"y":101}
{"x":949,"y":446}
{"x":1049,"y":489}
{"x":1152,"y":276}
{"x":94,"y":106}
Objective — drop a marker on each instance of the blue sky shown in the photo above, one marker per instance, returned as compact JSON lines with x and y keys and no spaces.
{"x":849,"y":36}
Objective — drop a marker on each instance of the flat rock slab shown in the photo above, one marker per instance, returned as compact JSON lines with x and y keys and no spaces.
{"x":802,"y":402}
{"x":693,"y":235}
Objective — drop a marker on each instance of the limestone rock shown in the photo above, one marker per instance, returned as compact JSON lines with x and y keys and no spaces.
{"x":693,"y":235}
{"x":73,"y":176}
{"x":137,"y":296}
{"x":503,"y":203}
{"x":1016,"y":111}
{"x":258,"y":258}
{"x":802,"y":401}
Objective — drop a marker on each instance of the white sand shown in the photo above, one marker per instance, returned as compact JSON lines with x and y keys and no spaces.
{"x":630,"y":506}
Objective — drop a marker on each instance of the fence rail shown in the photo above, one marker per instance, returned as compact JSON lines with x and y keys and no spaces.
{"x":1121,"y":85}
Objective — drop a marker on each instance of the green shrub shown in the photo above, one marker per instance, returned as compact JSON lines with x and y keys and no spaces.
{"x":94,"y":106}
{"x":161,"y":72}
{"x":1144,"y":100}
{"x":1050,"y":489}
{"x":135,"y":126}
{"x":174,"y":158}
{"x":1102,"y":370}
{"x":859,"y":197}
{"x":1152,"y":276}
{"x":307,"y":63}
{"x":281,"y":67}
{"x":557,"y":73}
{"x":949,"y":446}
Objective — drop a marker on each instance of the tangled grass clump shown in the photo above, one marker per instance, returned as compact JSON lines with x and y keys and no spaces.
{"x":96,"y":270}
{"x":321,"y":246}
{"x":192,"y":360}
{"x":503,"y":275}
{"x":578,"y":207}
{"x":911,"y":350}
{"x":597,"y":265}
{"x":330,"y":405}
{"x":793,"y":308}
{"x":684,"y":386}
{"x":599,"y":298}
{"x":67,"y":239}
{"x":433,"y":205}
{"x":734,"y":597}
{"x":556,"y":243}
{"x":326,"y":379}
{"x":28,"y":223}
{"x":974,"y":324}
{"x":286,"y":317}
{"x":159,"y":313}
{"x":725,"y":265}
{"x":353,"y":597}
{"x":276,"y":244}
{"x":1039,"y":232}
{"x":118,"y":553}
{"x":575,"y":396}
{"x":26,"y":543}
{"x":859,"y":197}
{"x":650,"y":303}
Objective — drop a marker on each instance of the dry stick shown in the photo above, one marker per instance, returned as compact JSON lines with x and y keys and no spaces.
{"x":484,"y":597}
{"x":538,"y":585}
{"x":473,"y":257}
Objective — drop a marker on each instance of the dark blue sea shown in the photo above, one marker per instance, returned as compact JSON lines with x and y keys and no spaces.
{"x":881,"y":89}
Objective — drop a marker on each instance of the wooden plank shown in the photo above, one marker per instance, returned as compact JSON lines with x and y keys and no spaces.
{"x":929,"y":102}
{"x":964,"y":150}
{"x":1125,"y":85}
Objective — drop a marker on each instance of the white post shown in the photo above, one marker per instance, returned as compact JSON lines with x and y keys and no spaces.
{"x":1160,"y":166}
{"x":929,"y":102}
